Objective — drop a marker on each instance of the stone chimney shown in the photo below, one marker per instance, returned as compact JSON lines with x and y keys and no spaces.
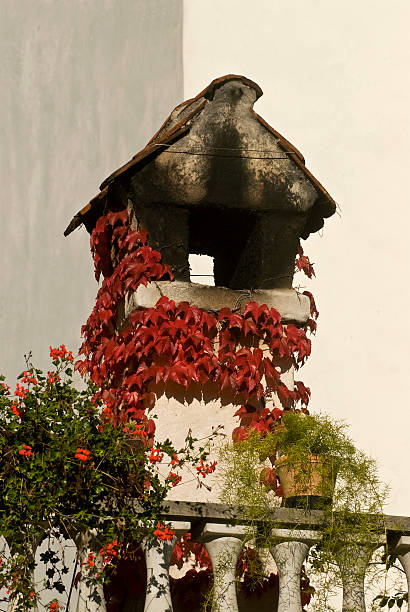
{"x":217,"y":180}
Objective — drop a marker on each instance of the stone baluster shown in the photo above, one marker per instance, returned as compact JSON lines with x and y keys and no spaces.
{"x":402,"y":550}
{"x":289,"y":555}
{"x":353,"y":558}
{"x":223,"y":543}
{"x":157,"y":557}
{"x":90,"y":597}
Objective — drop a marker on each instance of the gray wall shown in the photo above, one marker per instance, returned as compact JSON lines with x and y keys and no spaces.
{"x":84,"y":85}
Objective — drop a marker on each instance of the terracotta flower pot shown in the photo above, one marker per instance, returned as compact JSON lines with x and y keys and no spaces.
{"x":309,"y":485}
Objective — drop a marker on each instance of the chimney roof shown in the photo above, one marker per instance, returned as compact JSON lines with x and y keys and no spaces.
{"x":177,"y":125}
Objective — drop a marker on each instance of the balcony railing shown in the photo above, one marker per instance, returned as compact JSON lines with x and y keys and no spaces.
{"x":221,"y":529}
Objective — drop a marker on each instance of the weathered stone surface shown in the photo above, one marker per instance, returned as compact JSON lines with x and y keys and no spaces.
{"x":228,"y":158}
{"x":285,"y":517}
{"x":289,"y":555}
{"x":246,"y":199}
{"x":224,"y":553}
{"x":402,"y":550}
{"x":179,"y":412}
{"x":217,"y":180}
{"x":293,"y":306}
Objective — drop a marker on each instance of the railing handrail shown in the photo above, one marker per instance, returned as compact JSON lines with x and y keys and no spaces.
{"x":285,"y":517}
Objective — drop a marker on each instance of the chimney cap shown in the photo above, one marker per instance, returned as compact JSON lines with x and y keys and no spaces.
{"x":177,"y":126}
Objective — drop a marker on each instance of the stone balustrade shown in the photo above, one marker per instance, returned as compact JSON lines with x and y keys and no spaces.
{"x":221,"y":529}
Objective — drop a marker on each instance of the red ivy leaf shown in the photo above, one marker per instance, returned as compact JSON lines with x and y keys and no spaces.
{"x":303,"y":264}
{"x":252,"y":308}
{"x":166,"y":303}
{"x":239,"y":434}
{"x":313,"y":310}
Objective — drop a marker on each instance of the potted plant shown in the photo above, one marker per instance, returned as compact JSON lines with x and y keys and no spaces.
{"x":306,"y":461}
{"x":310,"y":462}
{"x":310,"y":449}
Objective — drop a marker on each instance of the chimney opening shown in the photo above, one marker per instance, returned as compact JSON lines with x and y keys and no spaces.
{"x":201,"y":269}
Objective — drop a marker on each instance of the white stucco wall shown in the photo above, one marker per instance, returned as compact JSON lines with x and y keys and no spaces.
{"x":335,"y":81}
{"x":85,"y":83}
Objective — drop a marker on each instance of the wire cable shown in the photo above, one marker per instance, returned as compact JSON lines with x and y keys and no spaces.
{"x":205,"y":153}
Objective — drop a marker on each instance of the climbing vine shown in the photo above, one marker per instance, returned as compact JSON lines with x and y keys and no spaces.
{"x":179,"y":342}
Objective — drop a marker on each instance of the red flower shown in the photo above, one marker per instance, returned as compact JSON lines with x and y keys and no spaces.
{"x":109,"y":552}
{"x":26,"y":451}
{"x":164,"y":533}
{"x":61,"y":353}
{"x":155,"y":455}
{"x":137,"y":430}
{"x":53,"y":378}
{"x":54,"y":606}
{"x":207,"y":468}
{"x":175,"y":460}
{"x":21,"y":391}
{"x":83,"y":454}
{"x":5,"y":389}
{"x":174,"y":478}
{"x":14,"y":409}
{"x":29,"y":378}
{"x":90,"y":560}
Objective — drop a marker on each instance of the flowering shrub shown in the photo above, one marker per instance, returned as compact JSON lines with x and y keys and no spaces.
{"x":63,"y":472}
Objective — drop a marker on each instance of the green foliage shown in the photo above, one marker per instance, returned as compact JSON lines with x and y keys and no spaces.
{"x":316,"y":451}
{"x":240,"y":465}
{"x":306,"y":434}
